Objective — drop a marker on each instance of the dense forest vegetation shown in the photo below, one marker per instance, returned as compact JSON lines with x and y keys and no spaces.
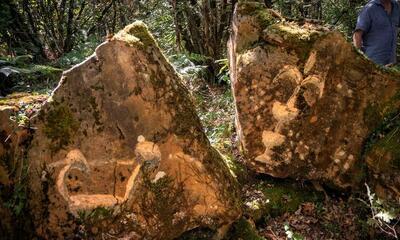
{"x":63,"y":32}
{"x":39,"y":39}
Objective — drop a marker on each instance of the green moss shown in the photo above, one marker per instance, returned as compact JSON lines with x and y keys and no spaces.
{"x":375,"y":113}
{"x":95,"y":215}
{"x":21,"y":98}
{"x":160,"y":201}
{"x":136,"y":34}
{"x":299,"y":39}
{"x":372,"y":116}
{"x":96,"y":113}
{"x":242,"y":229}
{"x":235,"y":167}
{"x":388,"y":146}
{"x":284,"y":197}
{"x":97,"y":87}
{"x":265,"y":18}
{"x":394,"y":71}
{"x":295,"y":37}
{"x":60,"y":127}
{"x":259,"y":11}
{"x":140,"y":30}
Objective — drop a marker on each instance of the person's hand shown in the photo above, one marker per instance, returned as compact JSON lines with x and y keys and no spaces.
{"x":389,"y":65}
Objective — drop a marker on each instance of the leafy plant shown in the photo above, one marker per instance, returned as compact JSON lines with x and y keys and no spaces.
{"x":292,"y":235}
{"x":21,"y":60}
{"x":80,"y":52}
{"x":223,"y":74}
{"x":382,"y":216}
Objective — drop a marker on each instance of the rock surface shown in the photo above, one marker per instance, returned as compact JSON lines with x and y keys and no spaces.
{"x":119,"y":151}
{"x":306,"y":100}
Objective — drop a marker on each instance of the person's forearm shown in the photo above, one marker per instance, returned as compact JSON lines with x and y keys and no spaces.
{"x":357,"y":39}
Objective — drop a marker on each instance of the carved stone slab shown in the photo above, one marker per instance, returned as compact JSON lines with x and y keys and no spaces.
{"x":120,"y":136}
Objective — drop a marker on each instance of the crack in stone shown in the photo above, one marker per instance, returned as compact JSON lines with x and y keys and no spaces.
{"x":115,"y":179}
{"x":121,"y":134}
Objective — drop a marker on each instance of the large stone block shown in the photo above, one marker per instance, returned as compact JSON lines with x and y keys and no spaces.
{"x":119,"y":151}
{"x":306,"y":100}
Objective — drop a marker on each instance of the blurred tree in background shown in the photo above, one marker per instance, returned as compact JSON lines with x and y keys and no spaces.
{"x":65,"y":31}
{"x":202,"y":28}
{"x":49,"y":28}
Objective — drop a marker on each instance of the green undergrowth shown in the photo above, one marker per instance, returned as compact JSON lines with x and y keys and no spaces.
{"x":18,"y":98}
{"x":26,"y":76}
{"x":216,"y":114}
{"x":216,"y":111}
{"x":79,"y":53}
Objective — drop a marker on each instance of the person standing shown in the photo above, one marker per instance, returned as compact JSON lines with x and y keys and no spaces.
{"x":376,"y":31}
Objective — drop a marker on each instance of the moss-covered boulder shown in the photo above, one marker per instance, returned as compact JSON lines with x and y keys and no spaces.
{"x":306,"y":100}
{"x":15,"y":110}
{"x":120,"y":151}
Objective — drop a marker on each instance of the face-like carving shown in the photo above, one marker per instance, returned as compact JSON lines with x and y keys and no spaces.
{"x":294,"y":96}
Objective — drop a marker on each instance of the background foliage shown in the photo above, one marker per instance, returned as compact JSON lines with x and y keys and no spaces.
{"x":64,"y":32}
